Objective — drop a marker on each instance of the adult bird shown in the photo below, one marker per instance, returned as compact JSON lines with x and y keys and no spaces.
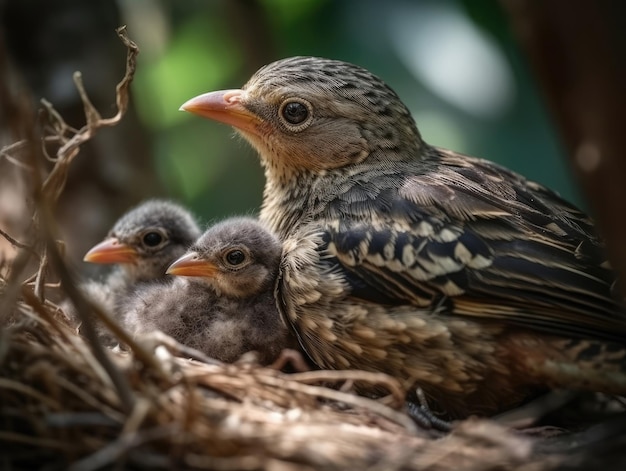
{"x":142,"y":244}
{"x":222,"y":301}
{"x":447,"y":271}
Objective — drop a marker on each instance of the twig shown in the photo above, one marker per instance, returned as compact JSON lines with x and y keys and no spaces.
{"x":40,"y":280}
{"x":12,"y":287}
{"x":158,"y":338}
{"x":29,"y":391}
{"x":55,"y":182}
{"x":347,"y":398}
{"x":16,"y":146}
{"x":390,"y":383}
{"x":16,"y":243}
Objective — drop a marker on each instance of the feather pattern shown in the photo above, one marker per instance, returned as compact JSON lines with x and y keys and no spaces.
{"x":446,"y":271}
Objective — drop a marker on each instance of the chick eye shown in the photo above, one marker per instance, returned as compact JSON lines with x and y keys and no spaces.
{"x":235,"y":257}
{"x":152,"y":239}
{"x":295,"y":112}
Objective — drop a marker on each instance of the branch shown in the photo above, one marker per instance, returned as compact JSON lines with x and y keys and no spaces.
{"x":69,"y":147}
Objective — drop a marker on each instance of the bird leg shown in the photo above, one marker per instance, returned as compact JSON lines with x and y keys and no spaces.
{"x":419,"y":410}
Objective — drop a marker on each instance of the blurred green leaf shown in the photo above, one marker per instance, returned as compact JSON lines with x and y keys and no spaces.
{"x":201,"y":56}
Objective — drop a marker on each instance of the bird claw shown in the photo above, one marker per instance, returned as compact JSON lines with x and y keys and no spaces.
{"x":422,"y":415}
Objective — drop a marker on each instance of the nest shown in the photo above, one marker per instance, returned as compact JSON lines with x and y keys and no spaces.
{"x":62,"y":408}
{"x":67,"y":403}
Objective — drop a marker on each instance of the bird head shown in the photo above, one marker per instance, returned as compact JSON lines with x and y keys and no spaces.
{"x":237,"y":258}
{"x":308,"y":114}
{"x":147,"y":239}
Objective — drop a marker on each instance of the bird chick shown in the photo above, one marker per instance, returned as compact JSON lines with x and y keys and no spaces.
{"x":222,"y":300}
{"x":449,"y":272}
{"x":142,"y":244}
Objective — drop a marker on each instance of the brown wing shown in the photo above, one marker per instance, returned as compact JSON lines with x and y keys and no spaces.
{"x":486,"y":242}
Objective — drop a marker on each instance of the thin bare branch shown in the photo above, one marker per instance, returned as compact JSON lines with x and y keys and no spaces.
{"x":55,"y":182}
{"x":16,"y":243}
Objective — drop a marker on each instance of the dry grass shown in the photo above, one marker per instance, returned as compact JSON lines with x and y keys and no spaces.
{"x":68,"y":403}
{"x":61,"y":408}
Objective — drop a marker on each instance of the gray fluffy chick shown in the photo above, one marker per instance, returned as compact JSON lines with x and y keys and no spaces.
{"x":142,"y":244}
{"x":222,"y":303}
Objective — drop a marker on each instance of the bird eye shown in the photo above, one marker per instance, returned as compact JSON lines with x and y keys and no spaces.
{"x":295,"y":112}
{"x":152,"y":239}
{"x":235,"y":257}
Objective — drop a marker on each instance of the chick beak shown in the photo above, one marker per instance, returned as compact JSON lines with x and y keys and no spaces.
{"x":224,"y":106}
{"x":111,"y":251}
{"x":191,"y":265}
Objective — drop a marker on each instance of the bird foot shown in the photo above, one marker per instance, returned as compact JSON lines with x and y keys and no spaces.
{"x":423,"y":416}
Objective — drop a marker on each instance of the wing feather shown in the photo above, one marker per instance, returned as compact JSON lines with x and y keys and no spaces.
{"x":492,"y":243}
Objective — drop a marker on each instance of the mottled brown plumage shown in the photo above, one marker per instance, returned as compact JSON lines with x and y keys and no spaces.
{"x":450,"y":272}
{"x":222,"y":303}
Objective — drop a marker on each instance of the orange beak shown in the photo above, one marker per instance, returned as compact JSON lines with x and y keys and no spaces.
{"x":191,"y":265}
{"x":111,"y":251}
{"x":224,"y":106}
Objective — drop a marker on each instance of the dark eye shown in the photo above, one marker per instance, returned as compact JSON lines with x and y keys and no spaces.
{"x":295,"y":112}
{"x":152,"y":239}
{"x":235,"y":257}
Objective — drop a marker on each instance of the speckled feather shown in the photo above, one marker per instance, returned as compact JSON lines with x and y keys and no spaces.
{"x":225,"y":315}
{"x":445,"y":270}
